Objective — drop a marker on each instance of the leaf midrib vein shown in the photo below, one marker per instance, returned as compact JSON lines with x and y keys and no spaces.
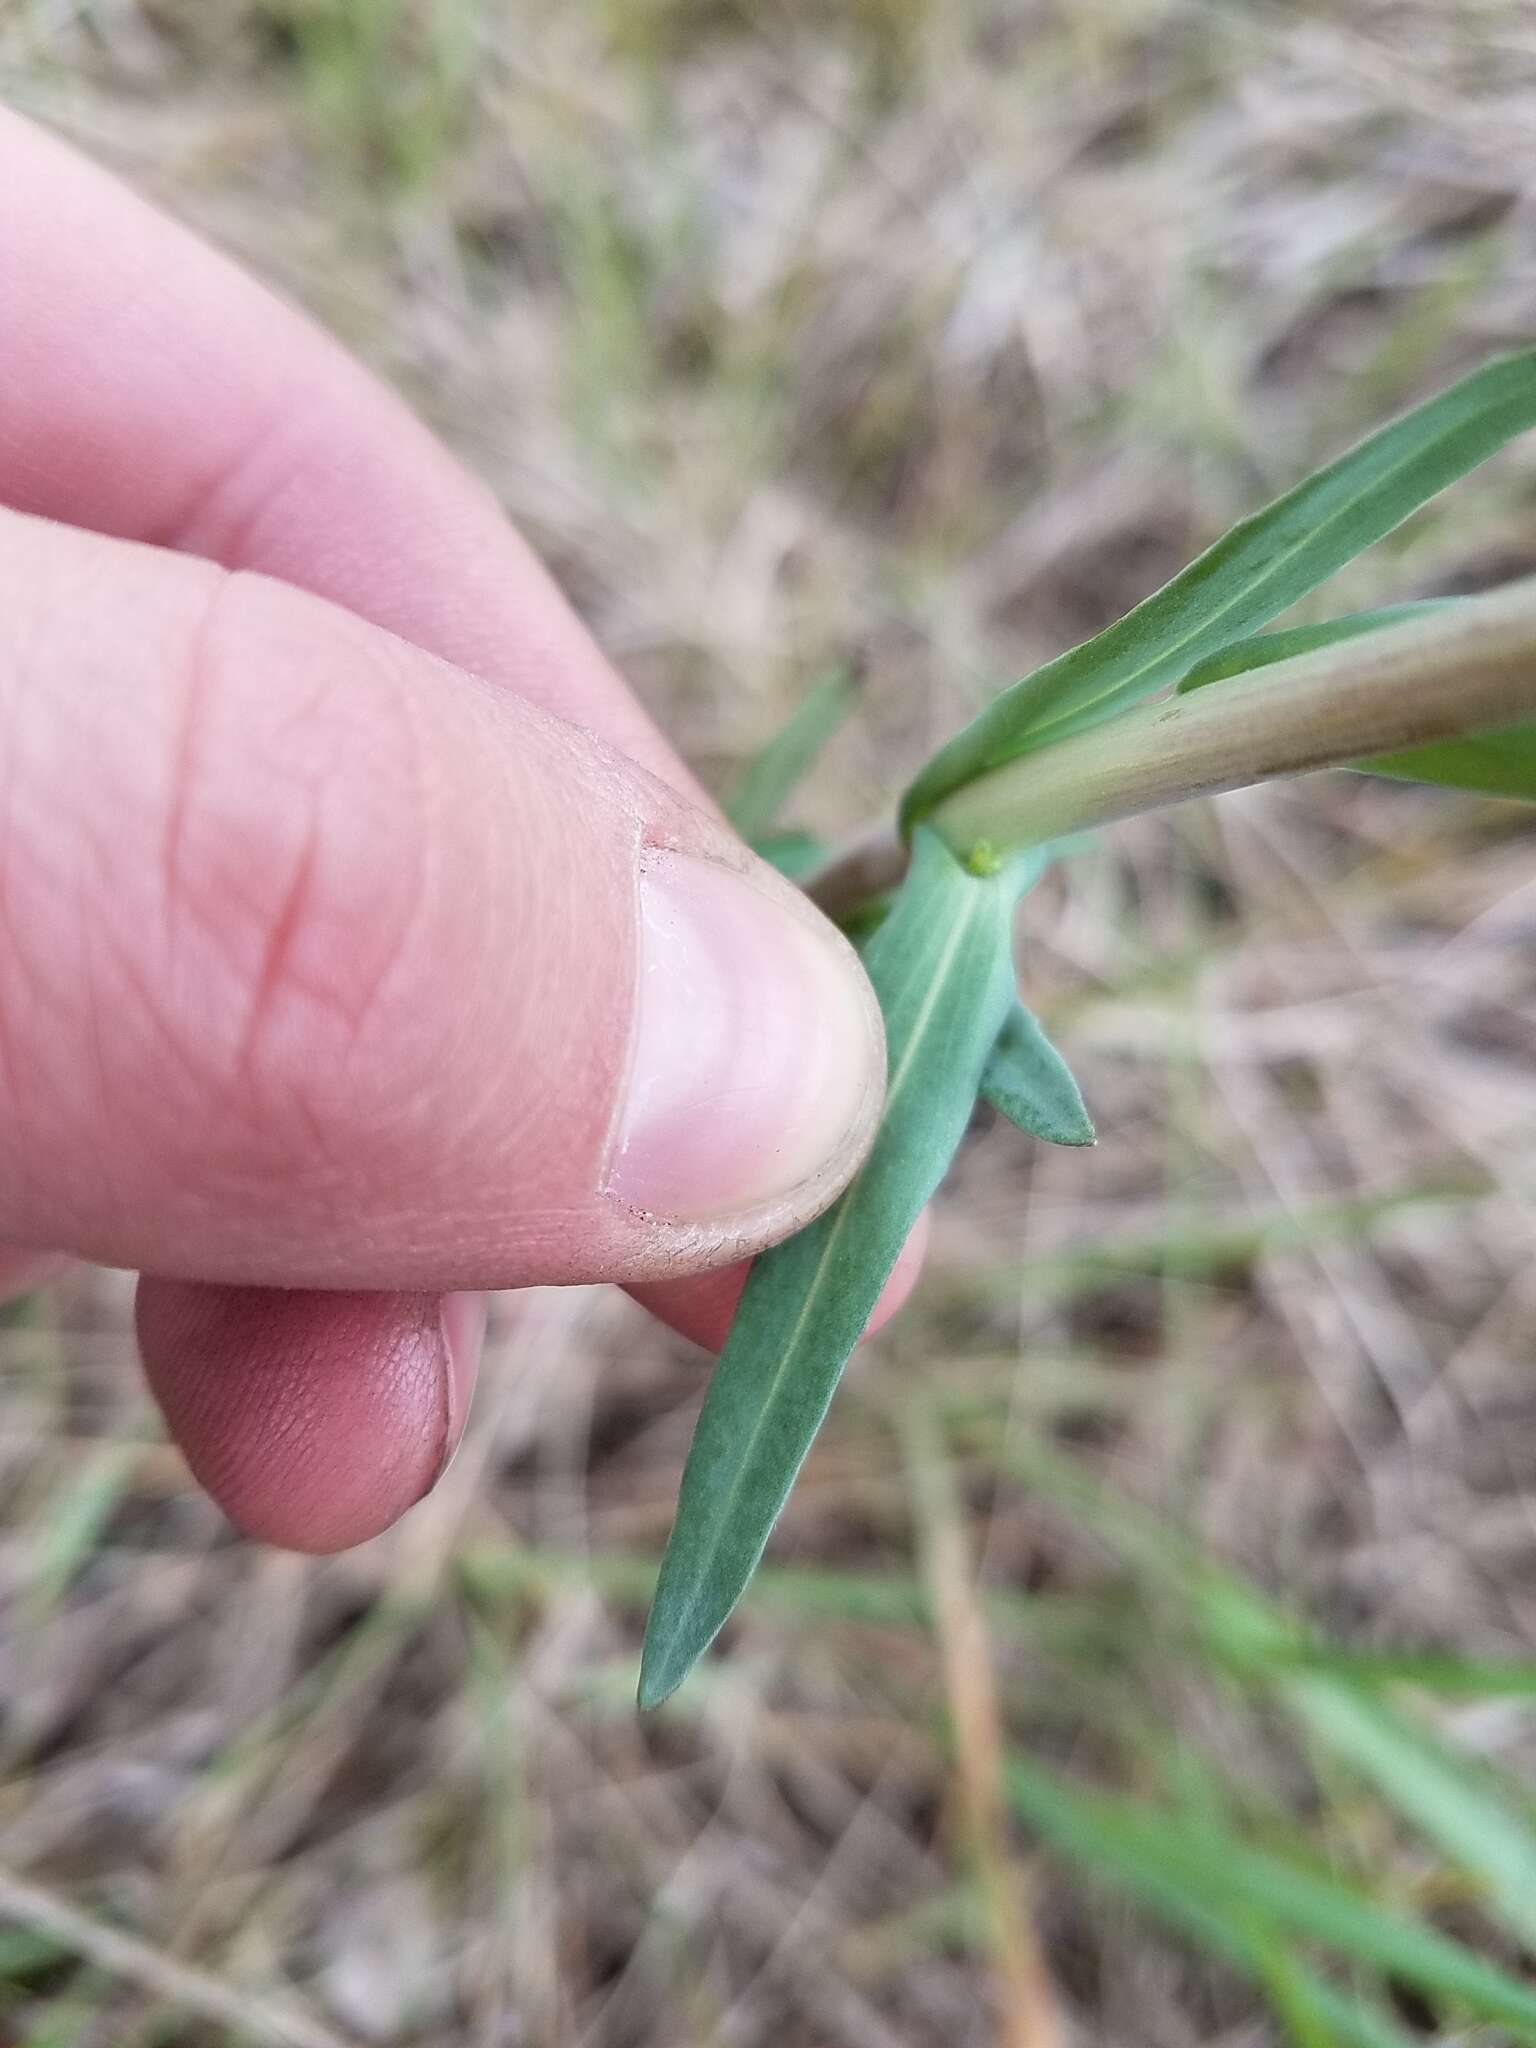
{"x":893,"y":1093}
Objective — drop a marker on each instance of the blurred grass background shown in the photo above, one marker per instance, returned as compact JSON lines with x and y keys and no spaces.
{"x":1149,"y":1654}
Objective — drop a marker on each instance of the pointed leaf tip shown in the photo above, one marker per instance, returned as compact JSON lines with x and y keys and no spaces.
{"x":1027,"y":1080}
{"x":656,"y":1687}
{"x":942,"y":966}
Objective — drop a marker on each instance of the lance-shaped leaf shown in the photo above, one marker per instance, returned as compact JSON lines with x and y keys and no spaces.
{"x":1251,"y":575}
{"x":1027,"y":1080}
{"x":942,"y":966}
{"x":1263,"y":649}
{"x":771,"y":775}
{"x":1501,"y":763}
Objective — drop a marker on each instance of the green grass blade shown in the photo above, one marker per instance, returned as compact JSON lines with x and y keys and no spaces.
{"x":1491,"y":764}
{"x":1356,"y":2024}
{"x":769,"y":777}
{"x":792,"y":853}
{"x":1480,"y":1823}
{"x":1204,"y":1251}
{"x":1292,"y":1994}
{"x":1433,"y":1671}
{"x":1084,"y":1827}
{"x":1027,"y":1080}
{"x":942,"y":967}
{"x":1209,"y":1879}
{"x":1239,"y":1624}
{"x":797,"y":1596}
{"x":1483,"y":1825}
{"x":1254,"y":572}
{"x":72,"y":1527}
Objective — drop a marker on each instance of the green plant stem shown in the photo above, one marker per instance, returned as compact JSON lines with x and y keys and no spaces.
{"x":1453,"y":673}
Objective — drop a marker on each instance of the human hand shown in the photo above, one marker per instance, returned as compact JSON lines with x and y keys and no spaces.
{"x":362,"y":944}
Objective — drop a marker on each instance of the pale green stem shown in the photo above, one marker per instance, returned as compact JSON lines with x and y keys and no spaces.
{"x":1469,"y":669}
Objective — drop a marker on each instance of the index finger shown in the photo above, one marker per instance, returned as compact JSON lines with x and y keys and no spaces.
{"x":151,"y":390}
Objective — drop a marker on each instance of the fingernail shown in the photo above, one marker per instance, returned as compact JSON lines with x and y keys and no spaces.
{"x":463,"y":1324}
{"x":758,"y":1059}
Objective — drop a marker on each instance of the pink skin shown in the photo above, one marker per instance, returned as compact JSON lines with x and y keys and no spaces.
{"x":711,"y":1299}
{"x":325,"y":954}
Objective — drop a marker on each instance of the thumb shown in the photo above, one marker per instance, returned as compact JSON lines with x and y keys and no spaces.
{"x":322,"y":964}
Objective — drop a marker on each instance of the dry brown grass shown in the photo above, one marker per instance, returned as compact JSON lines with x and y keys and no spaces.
{"x":927,"y":336}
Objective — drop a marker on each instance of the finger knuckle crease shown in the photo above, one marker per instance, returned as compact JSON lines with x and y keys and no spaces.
{"x":290,"y":857}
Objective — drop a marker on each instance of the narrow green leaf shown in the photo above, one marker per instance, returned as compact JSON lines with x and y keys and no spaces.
{"x":1491,"y":764}
{"x":769,"y":777}
{"x":1087,"y":1828}
{"x":1481,"y":1823}
{"x":942,"y":966}
{"x":77,"y":1515}
{"x":796,"y":1596}
{"x":1438,"y":1672}
{"x":1246,"y":1630}
{"x":1198,"y":1873}
{"x":1360,"y":2025}
{"x":1292,"y":1994}
{"x":1257,"y":570}
{"x":1205,"y":1250}
{"x":1027,"y":1080}
{"x":792,"y":853}
{"x":1260,"y":650}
